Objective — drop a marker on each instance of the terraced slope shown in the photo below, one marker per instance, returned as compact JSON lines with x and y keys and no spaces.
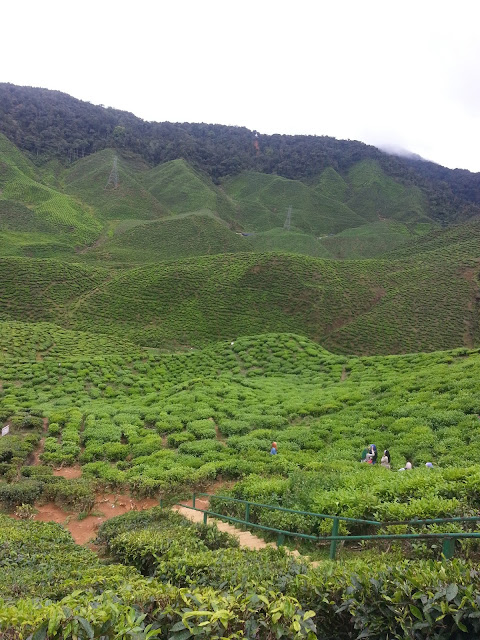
{"x":195,"y":301}
{"x":197,"y":234}
{"x":37,"y":341}
{"x":69,"y":222}
{"x":458,"y":242}
{"x":182,"y":189}
{"x":38,"y":290}
{"x":289,"y":241}
{"x":330,"y":204}
{"x":38,"y":219}
{"x":264,"y":201}
{"x":374,"y":195}
{"x":364,"y":306}
{"x":373,"y":239}
{"x":88,"y":180}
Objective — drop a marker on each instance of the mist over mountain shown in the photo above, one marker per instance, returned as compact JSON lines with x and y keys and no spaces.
{"x":401,"y":152}
{"x":50,"y":124}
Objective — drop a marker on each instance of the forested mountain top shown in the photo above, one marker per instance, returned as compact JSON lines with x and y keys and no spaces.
{"x":50,"y":124}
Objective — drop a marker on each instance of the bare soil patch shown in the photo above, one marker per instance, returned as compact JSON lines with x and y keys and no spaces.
{"x":68,"y":472}
{"x":220,"y":437}
{"x":106,"y":506}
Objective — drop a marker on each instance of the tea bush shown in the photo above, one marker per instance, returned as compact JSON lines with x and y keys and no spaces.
{"x":64,"y":588}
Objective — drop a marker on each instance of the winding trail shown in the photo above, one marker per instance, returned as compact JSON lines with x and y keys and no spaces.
{"x":39,"y":450}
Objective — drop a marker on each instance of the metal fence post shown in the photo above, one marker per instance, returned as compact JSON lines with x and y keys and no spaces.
{"x":247,"y":512}
{"x":161,"y":503}
{"x":205,"y":517}
{"x":333,"y":544}
{"x":280,"y":540}
{"x":193,"y":500}
{"x":448,"y":548}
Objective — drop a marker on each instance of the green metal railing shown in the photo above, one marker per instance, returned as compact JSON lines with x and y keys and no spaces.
{"x":448,"y":546}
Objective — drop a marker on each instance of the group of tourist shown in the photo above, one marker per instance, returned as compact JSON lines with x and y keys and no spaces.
{"x":369,"y":455}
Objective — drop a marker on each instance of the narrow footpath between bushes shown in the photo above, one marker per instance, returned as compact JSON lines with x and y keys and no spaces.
{"x":246,"y":539}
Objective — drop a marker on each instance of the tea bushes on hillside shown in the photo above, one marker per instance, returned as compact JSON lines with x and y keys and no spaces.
{"x":202,"y":429}
{"x":403,"y":403}
{"x":209,"y":614}
{"x":18,"y":493}
{"x":176,"y":439}
{"x":201,"y":447}
{"x":15,"y":449}
{"x":366,"y":493}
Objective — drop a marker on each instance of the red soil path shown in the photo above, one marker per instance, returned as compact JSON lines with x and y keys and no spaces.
{"x":106,"y":506}
{"x":68,"y":472}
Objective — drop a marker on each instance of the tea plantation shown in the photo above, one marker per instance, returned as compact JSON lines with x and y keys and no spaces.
{"x":164,"y":424}
{"x":159,"y":330}
{"x":361,"y":306}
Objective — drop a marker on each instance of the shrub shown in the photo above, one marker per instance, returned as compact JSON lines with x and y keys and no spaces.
{"x":201,"y":447}
{"x":174,"y":440}
{"x":23,"y":492}
{"x":77,"y":494}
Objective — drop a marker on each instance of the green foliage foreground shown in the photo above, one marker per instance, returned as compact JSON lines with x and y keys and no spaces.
{"x":168,"y":423}
{"x":76,"y":596}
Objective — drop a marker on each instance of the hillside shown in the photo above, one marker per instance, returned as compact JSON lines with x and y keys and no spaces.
{"x":170,"y":268}
{"x":51,"y":124}
{"x":36,"y":216}
{"x":364,"y":306}
{"x":196,"y":234}
{"x":376,"y":239}
{"x":87,"y":207}
{"x":88,"y":180}
{"x":264,"y":201}
{"x":164,"y":424}
{"x":163,"y":332}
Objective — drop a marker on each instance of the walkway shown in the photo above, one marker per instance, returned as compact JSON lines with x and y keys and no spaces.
{"x":246,"y":539}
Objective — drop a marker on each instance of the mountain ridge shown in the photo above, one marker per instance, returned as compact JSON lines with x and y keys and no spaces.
{"x":50,"y":124}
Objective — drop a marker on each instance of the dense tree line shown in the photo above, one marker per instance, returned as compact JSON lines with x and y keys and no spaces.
{"x":50,"y":124}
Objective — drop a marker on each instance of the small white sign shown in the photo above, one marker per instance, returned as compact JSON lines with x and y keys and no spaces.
{"x":6,"y":430}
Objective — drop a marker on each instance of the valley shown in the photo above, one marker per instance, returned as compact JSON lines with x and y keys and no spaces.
{"x":164,"y":320}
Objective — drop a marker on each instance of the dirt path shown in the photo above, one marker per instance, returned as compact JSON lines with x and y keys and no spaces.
{"x":106,"y":506}
{"x":246,"y":539}
{"x":220,"y":437}
{"x":39,"y":450}
{"x":68,"y":472}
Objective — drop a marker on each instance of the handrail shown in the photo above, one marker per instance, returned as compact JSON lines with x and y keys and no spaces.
{"x":380,"y":536}
{"x":415,"y":521}
{"x":276,"y":508}
{"x":389,"y":523}
{"x":449,"y":538}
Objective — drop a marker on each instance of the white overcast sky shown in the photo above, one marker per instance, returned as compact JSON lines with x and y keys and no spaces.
{"x":404,"y":73}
